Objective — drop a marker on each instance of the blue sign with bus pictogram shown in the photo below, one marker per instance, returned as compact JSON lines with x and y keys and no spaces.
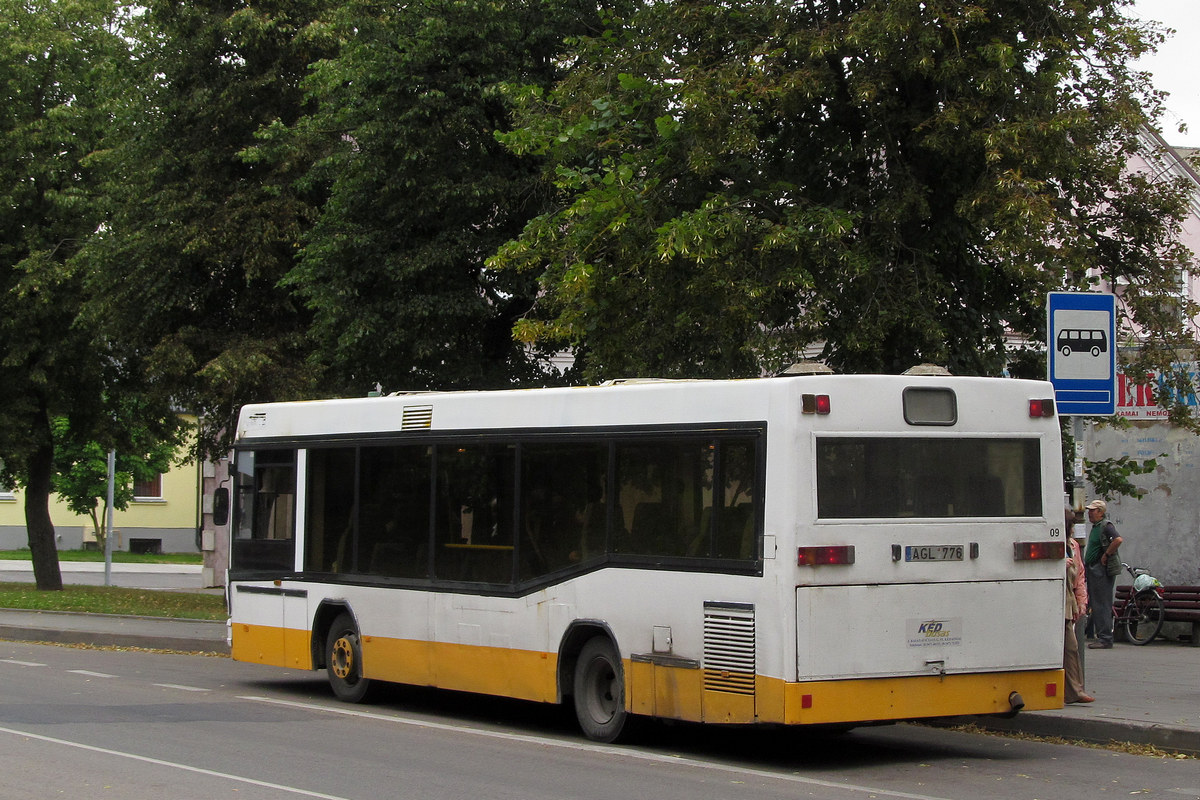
{"x":1081,"y":329}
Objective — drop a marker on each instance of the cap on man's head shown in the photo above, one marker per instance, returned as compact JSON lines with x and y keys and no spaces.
{"x":1100,"y":504}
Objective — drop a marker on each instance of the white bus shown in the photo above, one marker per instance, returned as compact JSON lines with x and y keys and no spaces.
{"x":813,"y":550}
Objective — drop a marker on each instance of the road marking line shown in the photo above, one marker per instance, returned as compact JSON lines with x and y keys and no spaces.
{"x":181,"y":688}
{"x":599,"y":748}
{"x":20,"y":663}
{"x":91,"y":674}
{"x":174,"y":765}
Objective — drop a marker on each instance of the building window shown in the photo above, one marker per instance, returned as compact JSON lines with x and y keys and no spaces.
{"x":148,"y":489}
{"x":5,"y":490}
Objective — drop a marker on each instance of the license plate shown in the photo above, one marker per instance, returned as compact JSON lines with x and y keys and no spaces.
{"x":934,"y":552}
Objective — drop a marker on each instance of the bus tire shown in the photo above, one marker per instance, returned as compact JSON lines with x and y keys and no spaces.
{"x":343,"y":661}
{"x":600,"y":691}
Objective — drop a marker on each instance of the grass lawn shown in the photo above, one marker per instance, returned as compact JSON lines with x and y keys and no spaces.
{"x":118,"y":557}
{"x":115,"y":600}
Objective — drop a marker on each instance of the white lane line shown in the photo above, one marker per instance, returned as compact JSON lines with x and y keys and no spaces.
{"x":91,"y":674}
{"x":172,"y":764}
{"x":20,"y":663}
{"x":181,"y":688}
{"x":600,"y":748}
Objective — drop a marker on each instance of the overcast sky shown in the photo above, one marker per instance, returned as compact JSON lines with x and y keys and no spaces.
{"x":1176,"y":66}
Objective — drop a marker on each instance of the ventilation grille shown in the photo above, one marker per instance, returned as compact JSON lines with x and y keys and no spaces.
{"x":729,"y":648}
{"x":416,"y":417}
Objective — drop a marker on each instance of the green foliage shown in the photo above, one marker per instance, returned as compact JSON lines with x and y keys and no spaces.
{"x":1111,"y":477}
{"x":185,"y":271}
{"x":894,"y":181}
{"x":59,"y":58}
{"x":419,"y":192}
{"x":81,"y":468}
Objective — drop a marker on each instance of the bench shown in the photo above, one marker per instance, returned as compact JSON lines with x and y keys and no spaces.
{"x":1181,"y":604}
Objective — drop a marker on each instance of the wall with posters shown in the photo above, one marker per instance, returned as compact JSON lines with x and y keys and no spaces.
{"x":1162,"y":529}
{"x":1136,"y":401}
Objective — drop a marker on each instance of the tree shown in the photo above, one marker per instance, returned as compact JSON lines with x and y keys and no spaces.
{"x":419,"y":191}
{"x":895,"y":181}
{"x":185,"y":270}
{"x":57,"y":58}
{"x":81,"y":469}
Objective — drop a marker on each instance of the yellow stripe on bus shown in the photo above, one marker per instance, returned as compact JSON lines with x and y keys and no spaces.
{"x":666,"y":691}
{"x":279,"y":647}
{"x":918,"y":697}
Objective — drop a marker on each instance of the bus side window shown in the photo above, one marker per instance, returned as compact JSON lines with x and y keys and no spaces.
{"x":562,"y":505}
{"x":394,"y":525}
{"x":265,"y":515}
{"x":329,"y":533}
{"x":475,"y":513}
{"x":668,"y":484}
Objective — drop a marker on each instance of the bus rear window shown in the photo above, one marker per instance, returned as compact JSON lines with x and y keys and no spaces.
{"x":892,"y":478}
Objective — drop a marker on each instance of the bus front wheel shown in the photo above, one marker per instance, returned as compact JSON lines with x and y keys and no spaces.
{"x":343,"y":661}
{"x":600,"y":691}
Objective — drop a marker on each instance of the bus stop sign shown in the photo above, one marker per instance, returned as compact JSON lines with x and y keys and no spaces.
{"x":1081,"y":332}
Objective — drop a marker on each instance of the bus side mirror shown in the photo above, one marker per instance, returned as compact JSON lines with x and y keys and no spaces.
{"x":220,"y":511}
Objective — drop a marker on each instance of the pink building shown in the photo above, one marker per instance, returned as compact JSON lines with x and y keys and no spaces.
{"x":1162,"y":529}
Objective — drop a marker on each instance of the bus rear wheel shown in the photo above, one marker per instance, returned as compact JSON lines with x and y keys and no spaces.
{"x":600,"y":691}
{"x":343,"y":661}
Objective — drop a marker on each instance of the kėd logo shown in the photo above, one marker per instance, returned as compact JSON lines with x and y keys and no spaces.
{"x":933,"y":628}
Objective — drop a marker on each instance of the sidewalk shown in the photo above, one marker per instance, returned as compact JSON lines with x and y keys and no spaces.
{"x":107,"y":629}
{"x":98,"y":566}
{"x":159,"y":633}
{"x":1145,"y":695}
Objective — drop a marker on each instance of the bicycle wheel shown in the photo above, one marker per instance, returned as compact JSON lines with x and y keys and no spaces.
{"x":1143,"y":617}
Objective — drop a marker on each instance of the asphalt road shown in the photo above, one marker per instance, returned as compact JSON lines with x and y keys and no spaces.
{"x":142,"y":726}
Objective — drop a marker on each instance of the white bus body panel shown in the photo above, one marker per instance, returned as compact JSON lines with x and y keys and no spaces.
{"x":922,"y":629}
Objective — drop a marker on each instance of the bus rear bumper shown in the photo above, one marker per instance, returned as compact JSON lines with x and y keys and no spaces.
{"x":915,"y":697}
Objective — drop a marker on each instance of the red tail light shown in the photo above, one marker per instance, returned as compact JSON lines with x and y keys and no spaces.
{"x":818,"y":556}
{"x":1039,"y":551}
{"x":1041,"y":408}
{"x":814,"y":403}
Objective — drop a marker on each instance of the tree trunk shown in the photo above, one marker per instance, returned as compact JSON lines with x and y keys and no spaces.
{"x":42,"y":547}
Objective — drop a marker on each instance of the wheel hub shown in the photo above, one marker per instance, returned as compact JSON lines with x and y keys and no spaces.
{"x":342,"y":658}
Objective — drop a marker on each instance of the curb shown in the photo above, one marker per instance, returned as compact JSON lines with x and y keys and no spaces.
{"x":102,"y":630}
{"x":1098,"y":731}
{"x":150,"y":642}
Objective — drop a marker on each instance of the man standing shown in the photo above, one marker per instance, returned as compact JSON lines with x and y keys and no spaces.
{"x":1102,"y":564}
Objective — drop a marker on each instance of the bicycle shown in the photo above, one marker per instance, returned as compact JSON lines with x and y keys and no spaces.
{"x":1140,"y":615}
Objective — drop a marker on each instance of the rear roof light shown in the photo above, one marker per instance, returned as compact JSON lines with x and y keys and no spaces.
{"x":830,"y":554}
{"x":814,"y":403}
{"x":1041,"y":407}
{"x":1039,"y":551}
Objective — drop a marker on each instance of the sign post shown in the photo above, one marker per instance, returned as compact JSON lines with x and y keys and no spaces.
{"x":1081,"y":333}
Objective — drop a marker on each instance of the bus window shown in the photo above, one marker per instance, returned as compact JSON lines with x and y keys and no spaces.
{"x":329,"y":535}
{"x":889,"y":478}
{"x":737,"y":517}
{"x":393,"y":528}
{"x":474,"y":513}
{"x":664,"y":490}
{"x":265,"y":513}
{"x":563,"y":502}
